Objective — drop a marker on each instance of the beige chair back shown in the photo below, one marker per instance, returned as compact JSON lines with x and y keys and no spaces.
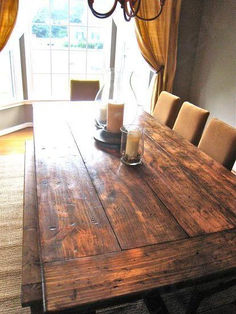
{"x":219,"y":142}
{"x":167,"y":108}
{"x":190,"y":122}
{"x":84,"y":89}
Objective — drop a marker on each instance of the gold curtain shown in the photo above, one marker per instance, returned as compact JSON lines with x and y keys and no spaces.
{"x":8,"y":13}
{"x":158,"y":42}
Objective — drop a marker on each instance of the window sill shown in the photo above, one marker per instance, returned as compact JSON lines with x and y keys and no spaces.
{"x":26,"y":102}
{"x":11,"y":105}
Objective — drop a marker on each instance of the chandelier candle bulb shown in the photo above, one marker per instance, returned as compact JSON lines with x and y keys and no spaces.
{"x":132,"y":144}
{"x":115,"y":115}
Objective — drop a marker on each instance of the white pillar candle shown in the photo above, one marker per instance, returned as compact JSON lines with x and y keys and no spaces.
{"x":115,"y":115}
{"x":103,"y":114}
{"x":132,"y":144}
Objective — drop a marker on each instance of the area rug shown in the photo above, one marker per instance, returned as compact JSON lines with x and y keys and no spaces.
{"x":11,"y":210}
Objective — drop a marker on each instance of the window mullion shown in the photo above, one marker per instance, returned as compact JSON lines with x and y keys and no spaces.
{"x":69,"y":12}
{"x":86,"y":58}
{"x":50,"y":33}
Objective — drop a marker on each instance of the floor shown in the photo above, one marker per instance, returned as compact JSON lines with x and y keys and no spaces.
{"x":14,"y":143}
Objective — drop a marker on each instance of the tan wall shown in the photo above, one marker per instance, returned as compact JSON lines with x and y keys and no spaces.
{"x":214,"y":76}
{"x":14,"y":116}
{"x":189,"y":27}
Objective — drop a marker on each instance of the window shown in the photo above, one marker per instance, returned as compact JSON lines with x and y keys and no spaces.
{"x":67,"y":42}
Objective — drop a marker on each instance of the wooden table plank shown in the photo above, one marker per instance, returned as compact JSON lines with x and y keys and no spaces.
{"x":215,"y":178}
{"x":196,"y":210}
{"x":72,"y":221}
{"x":91,"y":280}
{"x":124,"y":194}
{"x":31,"y":288}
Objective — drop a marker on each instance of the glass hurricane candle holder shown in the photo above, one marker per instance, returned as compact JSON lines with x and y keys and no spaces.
{"x":116,"y":92}
{"x":132,"y":144}
{"x":102,"y":114}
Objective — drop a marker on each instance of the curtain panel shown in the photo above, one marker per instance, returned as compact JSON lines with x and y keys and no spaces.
{"x":157,"y":41}
{"x":8,"y":14}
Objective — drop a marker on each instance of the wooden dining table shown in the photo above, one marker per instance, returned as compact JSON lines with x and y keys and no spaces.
{"x":109,"y":232}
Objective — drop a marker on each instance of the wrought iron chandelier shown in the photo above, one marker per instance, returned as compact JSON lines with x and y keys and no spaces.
{"x":130,"y":9}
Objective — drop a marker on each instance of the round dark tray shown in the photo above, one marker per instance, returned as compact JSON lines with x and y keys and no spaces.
{"x":103,"y":136}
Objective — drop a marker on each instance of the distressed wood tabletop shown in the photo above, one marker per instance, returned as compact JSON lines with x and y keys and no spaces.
{"x":107,"y":230}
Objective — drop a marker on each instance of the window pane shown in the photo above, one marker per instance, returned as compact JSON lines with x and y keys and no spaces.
{"x":59,"y":11}
{"x":60,"y":86}
{"x":78,"y":76}
{"x":60,"y":38}
{"x":40,"y":36}
{"x":78,"y":37}
{"x":78,"y":62}
{"x":96,"y":61}
{"x":78,"y":12}
{"x":95,"y":38}
{"x":60,"y":61}
{"x":41,"y":85}
{"x":96,"y":76}
{"x":42,"y":15}
{"x":41,"y":61}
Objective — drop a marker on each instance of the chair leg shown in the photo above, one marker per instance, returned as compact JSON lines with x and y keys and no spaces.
{"x":155,"y":304}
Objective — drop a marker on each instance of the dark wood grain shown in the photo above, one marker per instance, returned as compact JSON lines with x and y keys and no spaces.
{"x":205,"y":171}
{"x":109,"y":231}
{"x":72,"y":221}
{"x":90,"y":280}
{"x":31,"y":278}
{"x":195,"y":210}
{"x":124,"y":194}
{"x":124,"y":191}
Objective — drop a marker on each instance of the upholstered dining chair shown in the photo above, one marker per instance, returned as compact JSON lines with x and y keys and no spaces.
{"x":219,"y":142}
{"x":84,"y":89}
{"x":190,"y":122}
{"x":167,"y":108}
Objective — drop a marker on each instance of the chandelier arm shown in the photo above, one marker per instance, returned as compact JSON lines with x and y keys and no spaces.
{"x":152,"y":18}
{"x":126,"y":16}
{"x":129,"y":10}
{"x":132,"y":12}
{"x":102,"y":15}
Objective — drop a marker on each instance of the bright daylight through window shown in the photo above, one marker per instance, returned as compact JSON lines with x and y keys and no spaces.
{"x":55,"y":41}
{"x":67,"y":42}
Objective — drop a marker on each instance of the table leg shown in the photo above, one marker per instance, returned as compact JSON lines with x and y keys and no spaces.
{"x":36,"y":308}
{"x":155,"y":304}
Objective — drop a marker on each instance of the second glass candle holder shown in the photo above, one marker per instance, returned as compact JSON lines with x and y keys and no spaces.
{"x":132,"y":144}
